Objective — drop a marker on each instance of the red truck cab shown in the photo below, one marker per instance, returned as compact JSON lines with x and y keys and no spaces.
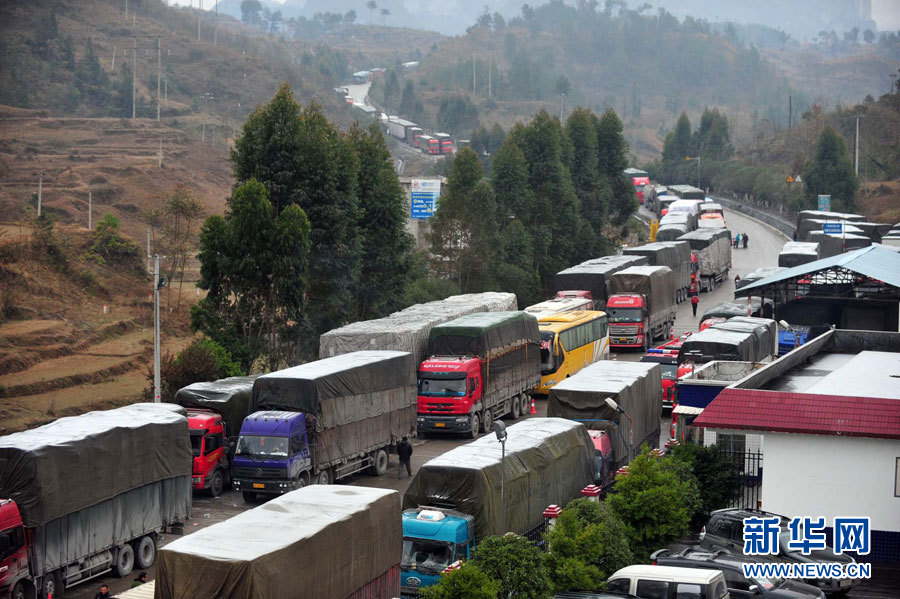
{"x":449,"y":387}
{"x":666,"y":355}
{"x":13,"y":548}
{"x":627,"y":321}
{"x":209,"y":470}
{"x":639,"y":183}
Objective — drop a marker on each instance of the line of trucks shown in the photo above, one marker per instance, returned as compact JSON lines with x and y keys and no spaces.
{"x":412,"y":134}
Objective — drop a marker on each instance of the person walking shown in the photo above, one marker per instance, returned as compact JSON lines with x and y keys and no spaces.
{"x":404,"y":451}
{"x":744,"y":239}
{"x":141,"y":579}
{"x":794,"y":236}
{"x":694,"y":301}
{"x":103,"y":593}
{"x":737,"y":241}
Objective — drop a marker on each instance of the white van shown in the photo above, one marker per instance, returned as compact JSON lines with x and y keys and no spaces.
{"x":667,"y":582}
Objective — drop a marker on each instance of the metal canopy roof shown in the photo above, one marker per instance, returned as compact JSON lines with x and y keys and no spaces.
{"x":874,"y":262}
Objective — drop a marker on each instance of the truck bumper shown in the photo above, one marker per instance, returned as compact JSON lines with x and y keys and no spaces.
{"x":268,"y":487}
{"x":631,"y":341}
{"x":456,"y":423}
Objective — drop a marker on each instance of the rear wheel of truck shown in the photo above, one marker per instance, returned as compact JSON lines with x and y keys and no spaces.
{"x":217,"y":484}
{"x":486,"y":419}
{"x":474,"y":423}
{"x":516,"y":407}
{"x":124,"y":561}
{"x":249,"y":496}
{"x":145,"y":552}
{"x":379,"y":463}
{"x":324,"y":477}
{"x":53,"y":585}
{"x":20,"y":591}
{"x":525,"y":404}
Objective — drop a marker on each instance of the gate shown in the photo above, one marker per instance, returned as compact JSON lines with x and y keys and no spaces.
{"x":749,"y":465}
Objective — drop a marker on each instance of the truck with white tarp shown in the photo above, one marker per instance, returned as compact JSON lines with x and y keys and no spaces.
{"x":713,"y":249}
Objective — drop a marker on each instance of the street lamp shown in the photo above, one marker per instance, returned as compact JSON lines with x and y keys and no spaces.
{"x":612,"y":404}
{"x":500,"y":430}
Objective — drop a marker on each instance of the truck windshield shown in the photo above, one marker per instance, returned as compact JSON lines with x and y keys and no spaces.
{"x":669,"y":371}
{"x":259,"y":446}
{"x":624,"y":314}
{"x":427,"y":557}
{"x":547,"y":361}
{"x":196,"y":443}
{"x":442,"y":387}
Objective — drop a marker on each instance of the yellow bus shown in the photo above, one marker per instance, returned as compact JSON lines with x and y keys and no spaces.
{"x":569,"y":342}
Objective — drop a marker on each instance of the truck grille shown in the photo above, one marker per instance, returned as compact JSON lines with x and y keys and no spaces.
{"x":259,"y":473}
{"x":438,"y":407}
{"x":623,"y":330}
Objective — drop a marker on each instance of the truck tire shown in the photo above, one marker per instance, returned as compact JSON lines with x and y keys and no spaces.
{"x":324,"y":477}
{"x":474,"y":423}
{"x":145,"y":552}
{"x":486,"y":419}
{"x":20,"y":591}
{"x":124,"y":561}
{"x":53,"y":585}
{"x":525,"y":404}
{"x":379,"y":463}
{"x":217,"y":484}
{"x":249,"y":496}
{"x":516,"y":407}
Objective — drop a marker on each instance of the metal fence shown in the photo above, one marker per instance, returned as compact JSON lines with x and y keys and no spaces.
{"x":750,"y":470}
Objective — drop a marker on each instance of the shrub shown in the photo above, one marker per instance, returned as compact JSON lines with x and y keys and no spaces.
{"x":202,"y":360}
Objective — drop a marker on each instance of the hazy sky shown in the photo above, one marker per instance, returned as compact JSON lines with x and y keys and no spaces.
{"x":886,"y":13}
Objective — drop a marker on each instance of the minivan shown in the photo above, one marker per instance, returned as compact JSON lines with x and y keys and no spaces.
{"x":667,"y":582}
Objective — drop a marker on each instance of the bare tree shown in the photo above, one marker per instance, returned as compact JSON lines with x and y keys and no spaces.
{"x":182,"y":211}
{"x":371,"y":5}
{"x":384,"y":14}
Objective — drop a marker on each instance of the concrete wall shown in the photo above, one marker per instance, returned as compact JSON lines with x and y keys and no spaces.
{"x":823,"y":475}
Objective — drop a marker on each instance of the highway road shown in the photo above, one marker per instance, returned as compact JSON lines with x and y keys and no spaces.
{"x":765,"y":244}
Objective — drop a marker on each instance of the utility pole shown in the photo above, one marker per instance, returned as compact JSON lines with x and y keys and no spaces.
{"x":158,"y":73}
{"x":156,"y":393}
{"x":90,"y":209}
{"x":473,"y":74}
{"x":133,"y":77}
{"x":199,"y":18}
{"x":856,"y":160}
{"x":148,"y":247}
{"x":40,"y":190}
{"x":490,"y":69}
{"x":216,"y":27}
{"x":126,"y":12}
{"x":113,"y":67}
{"x":790,"y":112}
{"x":160,"y":152}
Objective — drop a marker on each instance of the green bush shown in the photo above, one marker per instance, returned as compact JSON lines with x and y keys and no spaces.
{"x":717,"y":476}
{"x":112,"y":246}
{"x":468,"y":582}
{"x":202,"y":360}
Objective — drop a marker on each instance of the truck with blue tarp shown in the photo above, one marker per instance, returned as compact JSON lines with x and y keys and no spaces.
{"x":473,"y":491}
{"x":322,"y":421}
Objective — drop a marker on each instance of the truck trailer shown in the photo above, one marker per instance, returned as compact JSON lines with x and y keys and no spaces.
{"x":636,"y":387}
{"x":88,"y":494}
{"x":713,"y":249}
{"x":340,"y":542}
{"x":455,"y":500}
{"x":795,"y":253}
{"x":674,"y":254}
{"x":322,"y":421}
{"x":481,"y":366}
{"x":215,"y":412}
{"x":592,"y":276}
{"x":641,"y":306}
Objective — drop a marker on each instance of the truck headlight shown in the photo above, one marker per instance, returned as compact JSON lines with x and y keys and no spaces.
{"x":196,"y":479}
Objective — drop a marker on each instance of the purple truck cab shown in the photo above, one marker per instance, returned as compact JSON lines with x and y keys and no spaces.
{"x":272,"y":456}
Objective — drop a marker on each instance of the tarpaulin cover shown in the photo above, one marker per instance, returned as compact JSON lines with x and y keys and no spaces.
{"x":360,"y":400}
{"x":764,"y":330}
{"x":319,"y":541}
{"x":874,"y":231}
{"x":760,"y":273}
{"x":486,"y":335}
{"x":795,"y":253}
{"x":121,"y":519}
{"x":593,"y":274}
{"x":671,"y":232}
{"x":816,"y":224}
{"x":548,"y":461}
{"x":838,"y":243}
{"x":711,"y":223}
{"x":805,"y":215}
{"x":725,"y":310}
{"x":229,"y":397}
{"x":677,"y":218}
{"x":674,"y":254}
{"x":80,"y":461}
{"x":713,"y":344}
{"x":713,"y":248}
{"x":655,"y":282}
{"x":407,"y":330}
{"x":635,"y":386}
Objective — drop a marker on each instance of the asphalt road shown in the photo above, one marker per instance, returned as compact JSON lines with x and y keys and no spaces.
{"x":765,"y":244}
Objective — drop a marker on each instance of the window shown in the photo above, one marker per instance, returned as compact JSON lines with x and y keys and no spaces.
{"x":212,"y":443}
{"x":718,"y":590}
{"x":688,"y":591}
{"x":11,"y":541}
{"x":653,"y":589}
{"x":736,"y":580}
{"x":296,"y":445}
{"x":619,"y":585}
{"x":732,"y":442}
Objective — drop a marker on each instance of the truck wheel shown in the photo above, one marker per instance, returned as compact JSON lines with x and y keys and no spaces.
{"x":516,"y":407}
{"x":18,"y":591}
{"x":53,"y":585}
{"x":525,"y":408}
{"x":217,"y":484}
{"x":473,"y":426}
{"x":379,"y":463}
{"x":249,"y":496}
{"x":324,"y":477}
{"x":124,"y":561}
{"x":486,"y":419}
{"x":145,"y":552}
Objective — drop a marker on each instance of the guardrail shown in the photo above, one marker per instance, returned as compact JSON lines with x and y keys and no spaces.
{"x":776,"y":222}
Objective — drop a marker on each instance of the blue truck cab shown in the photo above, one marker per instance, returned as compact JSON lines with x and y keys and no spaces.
{"x":433,"y":538}
{"x":272,"y":455}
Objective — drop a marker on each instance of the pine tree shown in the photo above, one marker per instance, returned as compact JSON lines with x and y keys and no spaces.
{"x":677,"y":145}
{"x":592,"y":189}
{"x":408,"y":100}
{"x":613,"y":153}
{"x":830,"y":172}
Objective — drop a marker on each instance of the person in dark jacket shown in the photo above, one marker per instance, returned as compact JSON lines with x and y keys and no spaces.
{"x":103,"y":593}
{"x":404,"y":450}
{"x":744,"y":240}
{"x":141,"y":579}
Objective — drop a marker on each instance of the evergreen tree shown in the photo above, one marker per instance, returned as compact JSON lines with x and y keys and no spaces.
{"x":408,"y":100}
{"x":391,"y":90}
{"x":713,"y":140}
{"x":592,"y":189}
{"x":613,"y":160}
{"x":677,"y":145}
{"x":830,"y":172}
{"x":509,"y":177}
{"x":386,"y":246}
{"x":124,"y":91}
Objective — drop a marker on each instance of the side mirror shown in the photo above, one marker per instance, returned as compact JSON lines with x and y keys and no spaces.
{"x":754,"y":590}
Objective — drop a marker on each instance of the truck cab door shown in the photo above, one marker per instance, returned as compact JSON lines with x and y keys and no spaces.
{"x":13,"y":553}
{"x":213,"y":450}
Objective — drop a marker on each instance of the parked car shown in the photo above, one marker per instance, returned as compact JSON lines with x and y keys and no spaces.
{"x":593,"y":595}
{"x":725,"y":530}
{"x":664,"y":582}
{"x":739,"y":586}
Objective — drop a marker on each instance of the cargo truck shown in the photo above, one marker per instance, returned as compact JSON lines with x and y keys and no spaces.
{"x":322,"y":421}
{"x":89,"y":494}
{"x":795,"y":253}
{"x":455,"y":500}
{"x":444,"y":142}
{"x":481,"y":366}
{"x":635,"y":387}
{"x":713,"y":249}
{"x":332,"y":541}
{"x":592,"y":276}
{"x":641,"y":306}
{"x":674,"y":254}
{"x":671,"y":232}
{"x":398,"y":127}
{"x":215,"y":412}
{"x":715,"y":344}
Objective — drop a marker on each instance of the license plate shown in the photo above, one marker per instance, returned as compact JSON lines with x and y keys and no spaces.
{"x":259,"y":486}
{"x":439,"y":425}
{"x":622,"y":340}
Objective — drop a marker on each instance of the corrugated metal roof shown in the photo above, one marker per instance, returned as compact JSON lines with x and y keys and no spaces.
{"x":873,"y":261}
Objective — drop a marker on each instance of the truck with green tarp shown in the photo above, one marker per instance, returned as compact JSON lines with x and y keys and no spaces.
{"x":480,"y":367}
